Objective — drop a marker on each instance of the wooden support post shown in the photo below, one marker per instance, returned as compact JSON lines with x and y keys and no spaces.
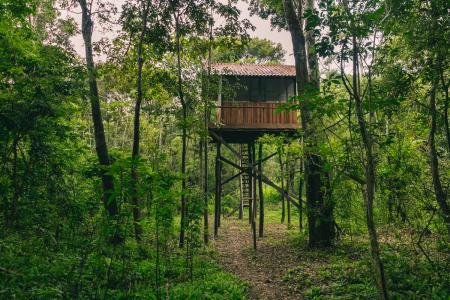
{"x":250,"y":183}
{"x":283,"y":207}
{"x":218,"y":190}
{"x":255,"y":179}
{"x":219,"y":215}
{"x":251,"y":155}
{"x":241,"y":193}
{"x":289,"y":184}
{"x":261,"y":192}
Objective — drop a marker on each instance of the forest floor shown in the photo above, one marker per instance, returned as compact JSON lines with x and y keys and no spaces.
{"x":264,"y":269}
{"x":283,"y":267}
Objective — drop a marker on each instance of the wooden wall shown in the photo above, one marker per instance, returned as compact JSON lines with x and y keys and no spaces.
{"x":258,"y":115}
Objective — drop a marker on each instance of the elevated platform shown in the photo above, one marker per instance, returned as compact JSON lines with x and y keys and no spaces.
{"x":248,"y":135}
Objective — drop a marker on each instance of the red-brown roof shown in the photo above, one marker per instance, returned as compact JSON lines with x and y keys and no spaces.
{"x":254,"y":70}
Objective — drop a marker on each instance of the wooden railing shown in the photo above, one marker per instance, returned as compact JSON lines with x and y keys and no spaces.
{"x":258,"y":115}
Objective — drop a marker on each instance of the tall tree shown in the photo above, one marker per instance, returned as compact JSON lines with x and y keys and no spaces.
{"x":144,"y":9}
{"x":438,"y":61}
{"x":352,"y":30}
{"x":145,"y":20}
{"x":192,"y":18}
{"x":319,"y":209}
{"x":87,"y":27}
{"x":188,"y":17}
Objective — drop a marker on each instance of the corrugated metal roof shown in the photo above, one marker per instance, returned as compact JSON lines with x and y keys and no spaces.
{"x":254,"y":70}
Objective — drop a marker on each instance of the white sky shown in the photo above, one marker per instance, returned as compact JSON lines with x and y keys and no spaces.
{"x":262,"y":30}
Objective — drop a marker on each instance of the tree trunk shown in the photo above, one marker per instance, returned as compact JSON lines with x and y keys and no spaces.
{"x":183,"y":138}
{"x":218,"y":190}
{"x":446,"y":107}
{"x":369,"y":187}
{"x":11,"y":220}
{"x":205,"y":144}
{"x":135,"y":201}
{"x":313,"y":64}
{"x":300,"y":195}
{"x":318,"y":210}
{"x":441,"y":195}
{"x":205,"y":192}
{"x":101,"y":148}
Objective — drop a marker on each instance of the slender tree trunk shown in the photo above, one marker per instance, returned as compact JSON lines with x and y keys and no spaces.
{"x":300,"y":196}
{"x":446,"y":108}
{"x":218,"y":190}
{"x":205,"y":140}
{"x":440,"y":193}
{"x":11,"y":220}
{"x":135,"y":201}
{"x":204,"y":167}
{"x":109,"y":200}
{"x":205,"y":145}
{"x":313,"y":64}
{"x":183,"y":137}
{"x":369,"y":188}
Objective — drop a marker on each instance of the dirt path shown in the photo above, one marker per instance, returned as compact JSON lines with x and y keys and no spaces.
{"x":263,"y":270}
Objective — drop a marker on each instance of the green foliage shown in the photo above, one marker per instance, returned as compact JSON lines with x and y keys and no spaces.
{"x":252,"y":50}
{"x":271,"y":196}
{"x":344,"y":272}
{"x":214,"y":286}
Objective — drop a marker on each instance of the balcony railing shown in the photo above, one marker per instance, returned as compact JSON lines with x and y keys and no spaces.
{"x":255,"y":115}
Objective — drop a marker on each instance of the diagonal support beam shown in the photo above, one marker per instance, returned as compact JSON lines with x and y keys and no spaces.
{"x":242,"y":172}
{"x":232,"y":177}
{"x":233,"y":164}
{"x":266,"y":158}
{"x":264,"y":178}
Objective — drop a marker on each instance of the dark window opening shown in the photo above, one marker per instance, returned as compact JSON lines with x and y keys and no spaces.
{"x":257,"y":89}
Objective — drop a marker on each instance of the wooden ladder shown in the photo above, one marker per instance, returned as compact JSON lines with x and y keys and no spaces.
{"x":246,"y":190}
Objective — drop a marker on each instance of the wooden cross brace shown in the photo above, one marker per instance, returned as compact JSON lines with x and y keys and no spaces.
{"x":242,"y":172}
{"x":252,"y":168}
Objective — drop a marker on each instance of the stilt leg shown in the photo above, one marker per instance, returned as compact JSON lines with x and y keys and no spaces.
{"x":261,"y":193}
{"x":241,"y":193}
{"x":250,"y":184}
{"x":289,"y":183}
{"x":283,"y":211}
{"x":253,"y":180}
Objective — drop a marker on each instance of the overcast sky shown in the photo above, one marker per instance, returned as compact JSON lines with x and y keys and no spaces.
{"x":262,"y":30}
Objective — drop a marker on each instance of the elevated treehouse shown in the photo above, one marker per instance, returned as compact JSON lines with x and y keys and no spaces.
{"x":248,"y":98}
{"x":248,"y":101}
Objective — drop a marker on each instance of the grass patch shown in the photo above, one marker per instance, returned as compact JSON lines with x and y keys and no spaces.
{"x":344,"y":272}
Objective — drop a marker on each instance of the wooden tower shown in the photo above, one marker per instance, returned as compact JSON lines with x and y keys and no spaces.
{"x":247,"y":102}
